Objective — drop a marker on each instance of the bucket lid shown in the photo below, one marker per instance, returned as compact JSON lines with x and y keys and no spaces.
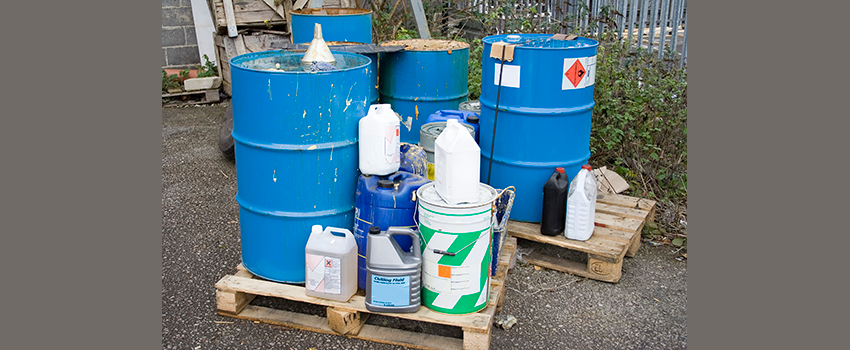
{"x":428,"y":194}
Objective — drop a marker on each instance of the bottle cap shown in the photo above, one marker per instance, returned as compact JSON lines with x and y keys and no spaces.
{"x":472,"y":119}
{"x":374,"y":230}
{"x":586,"y":166}
{"x":560,"y":170}
{"x":385,"y":184}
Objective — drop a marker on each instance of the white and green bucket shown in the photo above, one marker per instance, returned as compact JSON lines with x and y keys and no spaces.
{"x":456,"y":251}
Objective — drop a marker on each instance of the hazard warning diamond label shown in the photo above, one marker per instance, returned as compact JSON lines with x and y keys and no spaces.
{"x":575,"y":73}
{"x":578,"y":73}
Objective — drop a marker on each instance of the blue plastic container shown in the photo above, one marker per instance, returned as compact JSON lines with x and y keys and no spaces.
{"x":544,"y":123}
{"x":296,"y":146}
{"x":413,"y":159}
{"x":418,"y":83}
{"x":384,"y":207}
{"x":446,"y":114}
{"x":338,"y":24}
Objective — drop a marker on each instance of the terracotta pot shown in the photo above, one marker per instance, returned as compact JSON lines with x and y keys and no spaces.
{"x":193,"y":73}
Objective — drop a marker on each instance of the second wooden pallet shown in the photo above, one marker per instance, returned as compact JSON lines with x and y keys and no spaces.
{"x":619,"y":221}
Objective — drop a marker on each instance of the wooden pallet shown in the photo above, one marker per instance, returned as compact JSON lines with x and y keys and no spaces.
{"x":210,"y":96}
{"x":619,"y":221}
{"x":235,"y":292}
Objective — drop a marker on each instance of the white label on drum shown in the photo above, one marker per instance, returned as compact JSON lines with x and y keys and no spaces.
{"x":510,"y":76}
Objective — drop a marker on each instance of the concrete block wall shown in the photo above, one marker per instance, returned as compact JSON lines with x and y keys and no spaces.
{"x":179,"y":43}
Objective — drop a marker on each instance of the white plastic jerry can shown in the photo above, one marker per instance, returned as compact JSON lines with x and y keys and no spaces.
{"x":581,"y":205}
{"x":456,"y":164}
{"x":379,"y":147}
{"x":331,"y":271}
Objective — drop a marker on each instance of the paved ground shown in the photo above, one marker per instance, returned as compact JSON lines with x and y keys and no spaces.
{"x":647,"y":309}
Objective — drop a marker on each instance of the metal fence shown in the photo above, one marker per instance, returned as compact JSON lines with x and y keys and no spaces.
{"x":651,"y":24}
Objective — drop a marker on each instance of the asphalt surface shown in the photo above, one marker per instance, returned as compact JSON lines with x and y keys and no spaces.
{"x":647,"y":309}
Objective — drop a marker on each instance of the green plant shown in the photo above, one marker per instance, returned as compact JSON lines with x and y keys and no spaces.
{"x":476,"y":50}
{"x":208,"y":69}
{"x":403,"y":33}
{"x":169,"y":81}
{"x":640,"y":123}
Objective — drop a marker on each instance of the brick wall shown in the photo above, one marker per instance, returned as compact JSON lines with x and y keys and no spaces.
{"x":179,"y":44}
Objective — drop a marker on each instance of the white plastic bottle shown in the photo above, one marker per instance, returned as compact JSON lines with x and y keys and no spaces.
{"x":331,"y":271}
{"x":379,"y":141}
{"x":456,"y":164}
{"x":581,"y":205}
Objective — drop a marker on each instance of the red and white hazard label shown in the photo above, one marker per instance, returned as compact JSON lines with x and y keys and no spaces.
{"x":578,"y":72}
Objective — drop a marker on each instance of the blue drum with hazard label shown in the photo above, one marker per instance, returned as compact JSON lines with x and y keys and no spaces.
{"x":545,"y":105}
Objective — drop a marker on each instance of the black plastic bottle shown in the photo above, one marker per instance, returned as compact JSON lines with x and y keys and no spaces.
{"x":555,"y":203}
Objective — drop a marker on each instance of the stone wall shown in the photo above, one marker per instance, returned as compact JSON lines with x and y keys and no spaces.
{"x":179,"y":43}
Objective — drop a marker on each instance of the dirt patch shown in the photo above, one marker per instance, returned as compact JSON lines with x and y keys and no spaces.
{"x":427,"y":44}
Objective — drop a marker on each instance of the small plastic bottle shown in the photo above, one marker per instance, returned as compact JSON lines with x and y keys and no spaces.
{"x":554,"y":203}
{"x":581,"y":205}
{"x":379,"y":145}
{"x":331,"y":259}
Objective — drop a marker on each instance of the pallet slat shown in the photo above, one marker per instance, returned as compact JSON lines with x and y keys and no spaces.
{"x":595,"y":244}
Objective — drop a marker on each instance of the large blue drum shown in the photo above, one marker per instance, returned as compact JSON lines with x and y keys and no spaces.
{"x":425,"y":77}
{"x":338,"y":24}
{"x":544,"y":114}
{"x":295,"y":137}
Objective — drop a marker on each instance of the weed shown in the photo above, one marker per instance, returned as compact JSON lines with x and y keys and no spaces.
{"x":208,"y":69}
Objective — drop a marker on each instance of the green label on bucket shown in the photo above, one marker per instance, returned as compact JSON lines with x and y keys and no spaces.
{"x":455,"y":283}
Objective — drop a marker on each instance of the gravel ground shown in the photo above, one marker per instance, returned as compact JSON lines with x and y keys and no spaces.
{"x":647,"y":309}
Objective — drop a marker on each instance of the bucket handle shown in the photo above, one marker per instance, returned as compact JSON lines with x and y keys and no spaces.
{"x":495,"y":210}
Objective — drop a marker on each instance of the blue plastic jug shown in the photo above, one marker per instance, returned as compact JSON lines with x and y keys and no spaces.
{"x":461,"y":116}
{"x":384,"y":201}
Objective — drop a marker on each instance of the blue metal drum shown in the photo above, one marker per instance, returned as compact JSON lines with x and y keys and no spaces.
{"x":295,"y":137}
{"x":419,"y":80}
{"x":338,"y":24}
{"x":373,"y":69}
{"x":384,"y":206}
{"x":544,"y":114}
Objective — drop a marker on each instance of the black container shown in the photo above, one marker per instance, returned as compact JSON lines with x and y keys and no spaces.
{"x":555,"y":203}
